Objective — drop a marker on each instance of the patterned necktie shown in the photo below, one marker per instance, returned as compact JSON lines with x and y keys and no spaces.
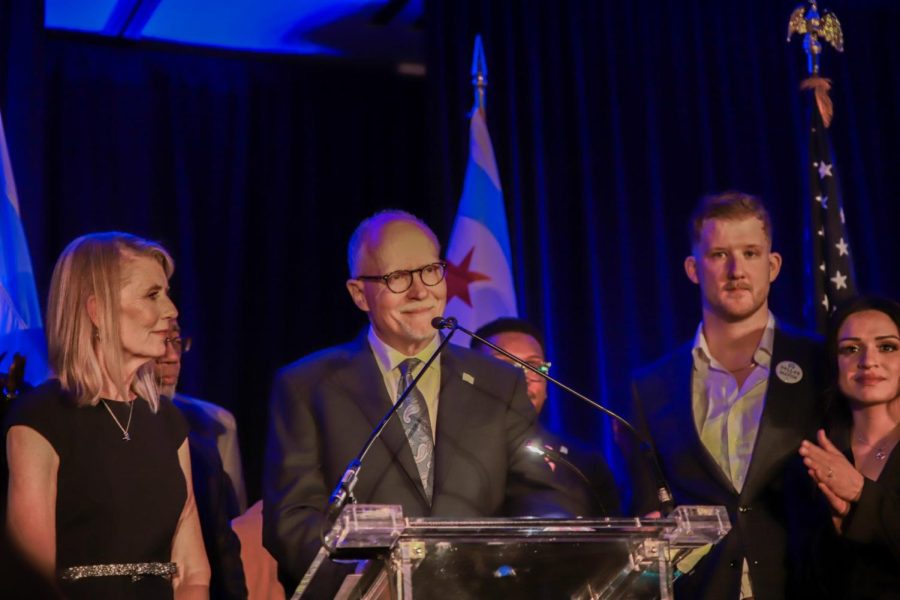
{"x":417,"y":425}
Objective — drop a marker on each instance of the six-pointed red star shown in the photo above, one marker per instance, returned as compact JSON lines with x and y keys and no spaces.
{"x":459,"y":277}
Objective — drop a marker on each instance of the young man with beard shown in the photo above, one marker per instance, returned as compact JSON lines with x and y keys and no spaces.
{"x":727,"y":412}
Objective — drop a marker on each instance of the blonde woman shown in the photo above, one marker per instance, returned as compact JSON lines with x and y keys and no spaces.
{"x":100,"y":490}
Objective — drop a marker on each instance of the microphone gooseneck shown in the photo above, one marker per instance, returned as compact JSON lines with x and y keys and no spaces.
{"x":343,"y":492}
{"x":663,"y":491}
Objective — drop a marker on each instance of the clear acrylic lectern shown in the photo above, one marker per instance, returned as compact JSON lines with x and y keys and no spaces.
{"x":519,"y":558}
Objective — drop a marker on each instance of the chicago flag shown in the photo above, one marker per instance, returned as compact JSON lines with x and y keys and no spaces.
{"x":479,"y":277}
{"x":21,"y":330}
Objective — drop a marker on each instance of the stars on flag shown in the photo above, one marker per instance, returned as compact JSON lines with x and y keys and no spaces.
{"x":833,"y":271}
{"x":840,"y":281}
{"x":824,"y":170}
{"x":842,"y":248}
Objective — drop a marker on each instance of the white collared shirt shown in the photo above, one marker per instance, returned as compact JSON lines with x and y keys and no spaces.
{"x":389,"y":359}
{"x":727,"y":415}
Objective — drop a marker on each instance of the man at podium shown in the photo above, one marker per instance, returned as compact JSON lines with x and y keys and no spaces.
{"x":456,"y":447}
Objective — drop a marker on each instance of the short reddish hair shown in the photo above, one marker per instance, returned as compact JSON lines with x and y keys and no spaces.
{"x":729,"y":206}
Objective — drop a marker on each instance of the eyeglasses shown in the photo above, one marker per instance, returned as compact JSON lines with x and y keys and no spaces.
{"x":543,"y":367}
{"x":181,"y":345}
{"x":400,"y":281}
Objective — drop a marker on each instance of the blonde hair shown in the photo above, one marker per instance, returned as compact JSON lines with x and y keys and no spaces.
{"x":90,"y":266}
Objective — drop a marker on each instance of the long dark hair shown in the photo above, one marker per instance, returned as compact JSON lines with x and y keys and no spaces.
{"x":838,"y":408}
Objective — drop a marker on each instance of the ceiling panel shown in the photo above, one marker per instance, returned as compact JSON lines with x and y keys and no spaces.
{"x":353,"y":28}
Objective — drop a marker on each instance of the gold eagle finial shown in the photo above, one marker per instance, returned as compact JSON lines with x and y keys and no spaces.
{"x":813,"y":25}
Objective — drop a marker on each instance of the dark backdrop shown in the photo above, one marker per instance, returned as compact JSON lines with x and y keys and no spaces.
{"x":608,"y":119}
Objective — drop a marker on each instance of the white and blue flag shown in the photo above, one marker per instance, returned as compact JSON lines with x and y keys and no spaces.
{"x":21,"y":329}
{"x":479,"y":277}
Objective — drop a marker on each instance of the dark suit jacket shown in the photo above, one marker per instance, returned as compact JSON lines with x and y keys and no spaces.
{"x":216,"y":504}
{"x":767,"y":517}
{"x":601,"y":497}
{"x":324,"y":407}
{"x":863,"y":563}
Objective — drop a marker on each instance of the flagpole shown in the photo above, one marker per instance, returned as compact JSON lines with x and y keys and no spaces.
{"x":833,"y":275}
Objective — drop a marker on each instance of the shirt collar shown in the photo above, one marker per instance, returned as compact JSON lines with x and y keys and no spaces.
{"x":761,"y":356}
{"x":388,"y":358}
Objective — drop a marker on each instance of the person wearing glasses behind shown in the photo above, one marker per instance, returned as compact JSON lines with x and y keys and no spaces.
{"x":524,"y":341}
{"x":214,"y":445}
{"x":468,"y":420}
{"x":100,"y":491}
{"x":856,"y":464}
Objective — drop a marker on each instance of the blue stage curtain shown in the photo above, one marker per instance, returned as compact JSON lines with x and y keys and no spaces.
{"x":608,"y":120}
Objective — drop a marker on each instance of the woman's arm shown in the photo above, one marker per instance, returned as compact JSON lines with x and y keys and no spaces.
{"x":192,"y":579}
{"x":31,"y":511}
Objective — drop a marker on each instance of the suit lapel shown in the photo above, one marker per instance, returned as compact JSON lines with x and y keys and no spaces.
{"x":453,"y":414}
{"x":363,"y":383}
{"x":785,"y":417}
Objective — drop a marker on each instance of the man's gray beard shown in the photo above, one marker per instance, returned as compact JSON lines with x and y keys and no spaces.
{"x":425,"y":335}
{"x":167,"y":390}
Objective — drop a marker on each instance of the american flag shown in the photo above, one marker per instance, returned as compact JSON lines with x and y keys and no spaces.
{"x":835,"y":281}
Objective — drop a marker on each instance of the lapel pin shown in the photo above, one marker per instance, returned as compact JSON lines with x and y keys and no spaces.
{"x":468,"y":378}
{"x":788,"y":371}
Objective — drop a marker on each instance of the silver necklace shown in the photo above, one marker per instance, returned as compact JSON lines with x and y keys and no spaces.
{"x":880,"y":452}
{"x":125,"y":435}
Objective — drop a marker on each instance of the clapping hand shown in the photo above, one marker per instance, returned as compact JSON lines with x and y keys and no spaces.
{"x":838,"y":480}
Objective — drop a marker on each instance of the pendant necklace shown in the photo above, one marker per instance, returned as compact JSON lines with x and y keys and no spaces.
{"x":124,"y":430}
{"x":880,"y":453}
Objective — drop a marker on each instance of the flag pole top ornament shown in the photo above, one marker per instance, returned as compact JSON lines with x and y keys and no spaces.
{"x":479,"y":73}
{"x":813,"y":26}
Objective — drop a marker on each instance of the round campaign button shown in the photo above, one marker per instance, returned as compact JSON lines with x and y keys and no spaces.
{"x":788,"y":371}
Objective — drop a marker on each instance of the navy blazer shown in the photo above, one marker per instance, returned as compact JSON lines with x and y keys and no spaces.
{"x":768,"y":515}
{"x":323,"y":409}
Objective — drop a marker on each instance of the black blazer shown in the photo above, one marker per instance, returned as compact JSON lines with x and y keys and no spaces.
{"x":768,"y":517}
{"x":323,"y":409}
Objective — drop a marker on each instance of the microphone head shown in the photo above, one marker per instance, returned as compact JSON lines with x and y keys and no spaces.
{"x":443,"y":323}
{"x":535,"y":448}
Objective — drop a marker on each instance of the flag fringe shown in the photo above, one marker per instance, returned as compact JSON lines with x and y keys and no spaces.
{"x":820,"y":87}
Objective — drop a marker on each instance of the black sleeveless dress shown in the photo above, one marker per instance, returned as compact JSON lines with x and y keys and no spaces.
{"x":117,"y":501}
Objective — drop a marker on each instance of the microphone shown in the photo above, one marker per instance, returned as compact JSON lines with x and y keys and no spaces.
{"x":445,"y":323}
{"x":663,"y":491}
{"x":343,"y":492}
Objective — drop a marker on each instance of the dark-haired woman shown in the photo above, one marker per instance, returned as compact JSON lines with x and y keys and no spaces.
{"x":856,"y":465}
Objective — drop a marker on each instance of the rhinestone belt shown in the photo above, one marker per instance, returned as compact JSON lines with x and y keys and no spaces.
{"x":135,"y":570}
